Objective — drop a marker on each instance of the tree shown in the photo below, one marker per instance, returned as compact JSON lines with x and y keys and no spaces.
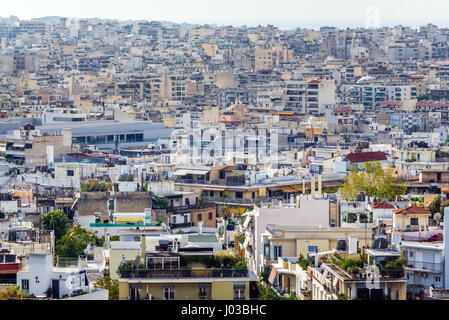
{"x":111,"y":285}
{"x":267,"y":293}
{"x":75,"y":241}
{"x":436,"y":205}
{"x":12,"y":293}
{"x":57,"y":221}
{"x":373,"y":181}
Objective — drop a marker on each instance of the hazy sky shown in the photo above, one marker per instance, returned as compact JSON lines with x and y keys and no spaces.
{"x":250,"y":12}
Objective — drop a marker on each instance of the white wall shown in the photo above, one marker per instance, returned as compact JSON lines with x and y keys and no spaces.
{"x":311,"y":213}
{"x":39,"y":274}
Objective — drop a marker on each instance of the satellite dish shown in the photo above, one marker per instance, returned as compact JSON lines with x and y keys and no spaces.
{"x":437,"y":217}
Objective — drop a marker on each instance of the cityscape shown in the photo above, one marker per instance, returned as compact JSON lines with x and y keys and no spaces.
{"x":157,"y":160}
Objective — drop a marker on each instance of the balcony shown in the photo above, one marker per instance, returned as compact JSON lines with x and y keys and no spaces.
{"x":183,"y":273}
{"x":241,"y":200}
{"x":425,"y":266}
{"x":392,"y":273}
{"x":305,"y":295}
{"x":192,"y":181}
{"x":181,"y":225}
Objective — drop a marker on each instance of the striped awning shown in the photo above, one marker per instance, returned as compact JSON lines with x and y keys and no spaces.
{"x":245,"y":243}
{"x":129,"y":219}
{"x":247,"y":220}
{"x":183,"y":172}
{"x":273,"y":274}
{"x":213,"y":189}
{"x":288,"y":189}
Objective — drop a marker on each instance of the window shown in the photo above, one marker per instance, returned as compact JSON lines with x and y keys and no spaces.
{"x":239,"y":195}
{"x":266,"y":249}
{"x":186,"y":218}
{"x":25,"y":285}
{"x":437,"y":280}
{"x":277,"y":251}
{"x":411,"y":254}
{"x":203,"y":291}
{"x":200,"y":217}
{"x":312,"y":249}
{"x":239,"y":291}
{"x":70,"y":173}
{"x":414,"y":221}
{"x":210,"y":215}
{"x":169,"y":292}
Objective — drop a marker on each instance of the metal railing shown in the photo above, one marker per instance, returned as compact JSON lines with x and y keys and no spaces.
{"x":241,"y":200}
{"x":435,"y":267}
{"x":191,"y":181}
{"x":183,"y":273}
{"x":181,"y":225}
{"x":392,"y":273}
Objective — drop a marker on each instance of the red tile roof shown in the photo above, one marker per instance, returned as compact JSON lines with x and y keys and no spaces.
{"x":382,"y":205}
{"x":229,"y":168}
{"x":367,"y":156}
{"x":412,"y":210}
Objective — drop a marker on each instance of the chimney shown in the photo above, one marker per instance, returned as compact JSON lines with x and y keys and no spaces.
{"x":143,"y":246}
{"x":175,"y":245}
{"x":357,"y":223}
{"x":312,"y":186}
{"x":353,"y":245}
{"x":320,"y":184}
{"x":108,"y":241}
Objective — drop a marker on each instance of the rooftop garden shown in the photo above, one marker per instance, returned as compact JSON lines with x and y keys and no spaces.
{"x":221,"y":265}
{"x":354,"y":266}
{"x":304,"y":262}
{"x":98,"y":186}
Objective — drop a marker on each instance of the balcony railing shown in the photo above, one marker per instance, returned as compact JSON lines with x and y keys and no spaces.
{"x":183,"y":273}
{"x":191,"y":181}
{"x":392,"y":273}
{"x":430,"y":266}
{"x":241,"y":200}
{"x":181,"y":225}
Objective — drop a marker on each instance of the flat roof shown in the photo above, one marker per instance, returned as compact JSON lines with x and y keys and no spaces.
{"x":105,"y":127}
{"x":383,"y":252}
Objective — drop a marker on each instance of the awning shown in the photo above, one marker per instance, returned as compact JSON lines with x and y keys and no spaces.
{"x":247,"y":220}
{"x":128,"y":219}
{"x":183,"y":172}
{"x":288,"y":189}
{"x":213,"y":189}
{"x":74,"y":202}
{"x":324,"y":276}
{"x":245,"y":243}
{"x":272,"y":276}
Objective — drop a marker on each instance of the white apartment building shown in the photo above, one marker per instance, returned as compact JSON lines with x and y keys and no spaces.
{"x":371,"y":94}
{"x":425,"y":263}
{"x":40,"y":275}
{"x":309,"y":96}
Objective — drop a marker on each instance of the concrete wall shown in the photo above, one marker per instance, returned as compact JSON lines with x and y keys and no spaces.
{"x":97,"y":295}
{"x":91,"y":202}
{"x":310,"y":213}
{"x":115,"y":258}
